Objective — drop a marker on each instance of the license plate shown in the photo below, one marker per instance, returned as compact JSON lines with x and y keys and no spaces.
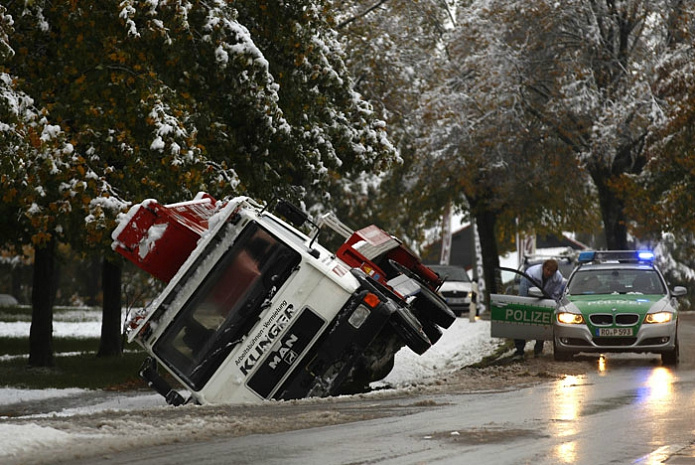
{"x":456,"y":301}
{"x":614,"y":332}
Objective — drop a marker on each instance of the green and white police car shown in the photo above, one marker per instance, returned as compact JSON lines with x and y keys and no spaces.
{"x":614,"y":301}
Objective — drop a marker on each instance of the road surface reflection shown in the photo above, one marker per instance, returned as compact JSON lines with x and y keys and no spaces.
{"x":566,"y":405}
{"x":576,"y":397}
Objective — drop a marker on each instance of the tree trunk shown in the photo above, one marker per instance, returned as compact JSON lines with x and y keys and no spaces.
{"x":485,"y":222}
{"x":612,"y":213}
{"x":110,"y":344}
{"x":42,"y":298}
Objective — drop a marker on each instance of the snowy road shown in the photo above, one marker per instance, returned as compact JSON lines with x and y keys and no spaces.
{"x":626,"y":409}
{"x":636,"y":412}
{"x":67,"y":420}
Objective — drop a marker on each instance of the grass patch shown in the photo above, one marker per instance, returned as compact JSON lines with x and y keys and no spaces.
{"x":492,"y":359}
{"x":75,"y":365}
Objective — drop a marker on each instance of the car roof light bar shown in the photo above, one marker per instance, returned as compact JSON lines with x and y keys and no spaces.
{"x":616,"y":256}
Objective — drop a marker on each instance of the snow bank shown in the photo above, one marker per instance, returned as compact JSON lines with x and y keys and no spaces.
{"x":16,"y":439}
{"x":464,"y":343}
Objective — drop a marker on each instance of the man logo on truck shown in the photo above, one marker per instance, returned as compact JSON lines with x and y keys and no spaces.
{"x":285,"y":352}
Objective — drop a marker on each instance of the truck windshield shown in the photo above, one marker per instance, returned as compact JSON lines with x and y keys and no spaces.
{"x":226,"y":304}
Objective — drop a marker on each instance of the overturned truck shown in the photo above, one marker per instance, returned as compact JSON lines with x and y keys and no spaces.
{"x":256,"y":309}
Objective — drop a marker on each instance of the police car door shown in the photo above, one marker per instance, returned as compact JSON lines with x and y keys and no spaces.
{"x":515,"y":317}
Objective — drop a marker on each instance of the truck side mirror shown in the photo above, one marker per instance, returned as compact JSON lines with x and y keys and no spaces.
{"x":292,"y":213}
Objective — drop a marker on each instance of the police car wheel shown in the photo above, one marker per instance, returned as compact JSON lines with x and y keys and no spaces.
{"x":561,"y":355}
{"x":672,"y":357}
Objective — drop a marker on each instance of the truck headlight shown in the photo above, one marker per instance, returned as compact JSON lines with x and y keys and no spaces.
{"x":660,"y":317}
{"x":359,"y":316}
{"x":570,"y":318}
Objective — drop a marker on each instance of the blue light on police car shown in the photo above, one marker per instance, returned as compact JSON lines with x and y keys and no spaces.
{"x":615,"y":256}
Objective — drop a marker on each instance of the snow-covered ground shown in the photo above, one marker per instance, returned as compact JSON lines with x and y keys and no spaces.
{"x":464,"y":343}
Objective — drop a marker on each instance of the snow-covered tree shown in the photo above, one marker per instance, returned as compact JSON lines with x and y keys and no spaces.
{"x":598,"y":95}
{"x":660,"y":198}
{"x":541,"y":95}
{"x":163,"y":99}
{"x":664,"y":189}
{"x":394,"y":50}
{"x":493,"y":158}
{"x":45,"y":182}
{"x":332,"y":125}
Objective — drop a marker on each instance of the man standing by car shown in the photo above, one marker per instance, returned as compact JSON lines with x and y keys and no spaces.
{"x":547,"y":277}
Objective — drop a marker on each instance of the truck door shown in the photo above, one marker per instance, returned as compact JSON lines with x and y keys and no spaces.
{"x":517,"y":317}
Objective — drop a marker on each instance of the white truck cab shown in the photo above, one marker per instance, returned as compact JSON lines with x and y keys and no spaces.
{"x":259,"y":310}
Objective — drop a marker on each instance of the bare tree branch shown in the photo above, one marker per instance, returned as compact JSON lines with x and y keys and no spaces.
{"x":361,"y":15}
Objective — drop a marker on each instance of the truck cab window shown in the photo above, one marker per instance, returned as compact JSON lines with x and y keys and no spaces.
{"x":226,"y":304}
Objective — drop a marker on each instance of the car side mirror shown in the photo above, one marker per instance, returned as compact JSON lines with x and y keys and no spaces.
{"x":535,"y":292}
{"x":679,"y":291}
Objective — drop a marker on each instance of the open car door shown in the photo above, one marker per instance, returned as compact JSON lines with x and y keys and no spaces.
{"x":515,"y":317}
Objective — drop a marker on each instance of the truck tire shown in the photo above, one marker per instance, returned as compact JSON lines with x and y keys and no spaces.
{"x":432,"y":307}
{"x":410,"y":330}
{"x":374,"y":365}
{"x":434,"y":333}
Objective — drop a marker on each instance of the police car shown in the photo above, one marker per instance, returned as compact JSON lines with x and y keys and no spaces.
{"x":615,"y":301}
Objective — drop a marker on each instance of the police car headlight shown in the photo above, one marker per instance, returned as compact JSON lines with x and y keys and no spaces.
{"x":570,"y":318}
{"x":661,"y":317}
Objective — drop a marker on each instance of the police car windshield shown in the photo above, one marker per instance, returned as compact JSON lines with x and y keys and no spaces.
{"x":226,"y":304}
{"x":616,"y":281}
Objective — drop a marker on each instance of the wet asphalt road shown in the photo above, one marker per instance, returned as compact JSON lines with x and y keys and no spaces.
{"x":627,"y":410}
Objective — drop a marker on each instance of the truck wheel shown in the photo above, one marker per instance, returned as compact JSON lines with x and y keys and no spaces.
{"x":410,"y":330}
{"x":374,"y":365}
{"x":433,"y":332}
{"x":432,"y":307}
